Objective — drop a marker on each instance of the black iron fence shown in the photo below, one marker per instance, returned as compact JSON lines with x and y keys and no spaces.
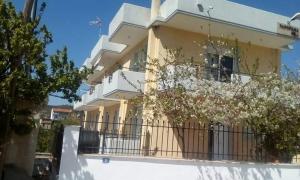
{"x":164,"y":139}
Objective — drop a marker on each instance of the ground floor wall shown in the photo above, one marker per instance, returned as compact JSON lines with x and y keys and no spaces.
{"x":110,"y":117}
{"x":92,"y":119}
{"x":92,"y":167}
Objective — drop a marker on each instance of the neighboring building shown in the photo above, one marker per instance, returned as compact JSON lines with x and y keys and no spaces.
{"x":64,"y":113}
{"x":60,"y":113}
{"x":54,"y":113}
{"x":136,"y":33}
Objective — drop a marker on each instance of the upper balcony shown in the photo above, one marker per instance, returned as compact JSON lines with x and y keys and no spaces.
{"x":96,"y":98}
{"x":104,"y":49}
{"x":123,"y":84}
{"x":247,"y":24}
{"x":82,"y":105}
{"x":87,"y":63}
{"x":94,"y":78}
{"x":129,"y":26}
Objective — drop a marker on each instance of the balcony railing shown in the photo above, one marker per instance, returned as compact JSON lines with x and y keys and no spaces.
{"x":166,"y":140}
{"x":177,"y":76}
{"x":95,"y":94}
{"x":104,"y":46}
{"x":123,"y":84}
{"x":130,"y":14}
{"x":96,"y":98}
{"x":80,"y":105}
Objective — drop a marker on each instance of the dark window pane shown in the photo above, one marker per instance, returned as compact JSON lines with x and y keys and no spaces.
{"x":226,"y":69}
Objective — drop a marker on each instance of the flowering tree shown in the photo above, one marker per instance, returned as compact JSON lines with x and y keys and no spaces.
{"x":186,"y":90}
{"x":270,"y":105}
{"x":182,"y":83}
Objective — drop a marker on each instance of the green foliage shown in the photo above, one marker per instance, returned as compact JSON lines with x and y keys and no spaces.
{"x":270,"y":106}
{"x":47,"y":137}
{"x":28,"y":75}
{"x":67,"y":122}
{"x":44,"y":141}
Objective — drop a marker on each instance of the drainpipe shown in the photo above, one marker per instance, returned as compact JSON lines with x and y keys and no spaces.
{"x":155,"y":7}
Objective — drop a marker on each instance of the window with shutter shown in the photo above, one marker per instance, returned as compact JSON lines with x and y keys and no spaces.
{"x":219,"y":69}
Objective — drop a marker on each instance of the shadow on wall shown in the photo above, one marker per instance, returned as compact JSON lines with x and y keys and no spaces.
{"x":240,"y":171}
{"x":71,"y":166}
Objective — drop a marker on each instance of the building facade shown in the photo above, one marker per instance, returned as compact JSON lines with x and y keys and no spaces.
{"x":139,"y":34}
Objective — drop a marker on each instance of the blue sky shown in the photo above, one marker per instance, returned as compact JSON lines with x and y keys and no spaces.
{"x":68,"y":20}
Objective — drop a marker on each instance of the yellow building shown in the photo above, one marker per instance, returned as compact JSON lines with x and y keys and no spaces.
{"x":139,"y":34}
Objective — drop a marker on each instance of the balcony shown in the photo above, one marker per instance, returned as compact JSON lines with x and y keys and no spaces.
{"x":97,"y":99}
{"x":123,"y":84}
{"x":82,"y":105}
{"x":87,"y":63}
{"x":104,"y":49}
{"x":195,"y":16}
{"x":189,"y":82}
{"x":129,"y":25}
{"x":240,"y":78}
{"x":94,"y":78}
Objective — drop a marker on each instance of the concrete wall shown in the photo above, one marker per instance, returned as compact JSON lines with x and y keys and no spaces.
{"x":89,"y":167}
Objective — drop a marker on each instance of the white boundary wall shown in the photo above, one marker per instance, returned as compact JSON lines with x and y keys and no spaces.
{"x":96,"y":167}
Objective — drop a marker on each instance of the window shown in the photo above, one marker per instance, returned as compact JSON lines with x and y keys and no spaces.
{"x":138,"y":63}
{"x":219,"y":69}
{"x":110,"y":77}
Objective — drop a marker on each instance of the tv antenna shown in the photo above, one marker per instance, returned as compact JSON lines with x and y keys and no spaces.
{"x":98,"y":24}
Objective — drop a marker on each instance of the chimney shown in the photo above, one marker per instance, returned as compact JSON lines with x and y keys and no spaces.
{"x":155,"y":7}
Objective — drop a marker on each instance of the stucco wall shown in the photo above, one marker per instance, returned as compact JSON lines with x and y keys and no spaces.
{"x":89,"y":167}
{"x":191,"y":44}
